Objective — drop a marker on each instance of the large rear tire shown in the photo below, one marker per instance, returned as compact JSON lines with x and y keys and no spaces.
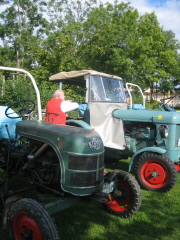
{"x":155,"y":172}
{"x":126,"y":198}
{"x":28,"y":220}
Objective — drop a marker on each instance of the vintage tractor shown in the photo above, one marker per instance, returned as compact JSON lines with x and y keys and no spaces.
{"x":150,"y":138}
{"x":66,"y":162}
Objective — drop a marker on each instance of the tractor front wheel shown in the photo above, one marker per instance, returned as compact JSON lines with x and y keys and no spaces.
{"x":28,"y":220}
{"x":155,"y":172}
{"x":126,"y":198}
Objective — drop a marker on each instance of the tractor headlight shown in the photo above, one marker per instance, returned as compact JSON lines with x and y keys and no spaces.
{"x":163,"y":130}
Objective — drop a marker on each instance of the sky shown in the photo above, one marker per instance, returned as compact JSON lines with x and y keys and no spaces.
{"x":167,"y":12}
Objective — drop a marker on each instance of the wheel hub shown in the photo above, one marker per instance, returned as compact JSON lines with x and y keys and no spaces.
{"x":154,"y":174}
{"x":26,"y":228}
{"x":27,"y":234}
{"x":121,"y":199}
{"x":118,"y":195}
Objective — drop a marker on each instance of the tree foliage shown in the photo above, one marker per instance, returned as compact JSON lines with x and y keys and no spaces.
{"x":16,"y":87}
{"x":135,"y":47}
{"x":22,"y":21}
{"x":46,"y":37}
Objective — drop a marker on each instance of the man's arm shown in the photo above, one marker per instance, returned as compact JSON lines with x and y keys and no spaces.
{"x":67,"y":106}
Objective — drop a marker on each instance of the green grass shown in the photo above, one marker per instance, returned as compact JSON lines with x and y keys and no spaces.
{"x":158,"y":218}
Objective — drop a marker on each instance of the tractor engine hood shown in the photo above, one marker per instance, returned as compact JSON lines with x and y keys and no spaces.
{"x":65,"y":138}
{"x":80,"y":152}
{"x":147,"y":116}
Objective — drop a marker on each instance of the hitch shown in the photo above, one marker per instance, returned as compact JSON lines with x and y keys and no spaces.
{"x":99,"y":197}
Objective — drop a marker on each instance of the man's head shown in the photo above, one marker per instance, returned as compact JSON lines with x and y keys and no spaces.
{"x":59,"y":94}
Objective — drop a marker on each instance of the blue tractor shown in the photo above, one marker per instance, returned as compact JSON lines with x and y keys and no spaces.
{"x":150,"y":138}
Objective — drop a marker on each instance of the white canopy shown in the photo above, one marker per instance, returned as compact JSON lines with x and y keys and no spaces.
{"x":79,"y":74}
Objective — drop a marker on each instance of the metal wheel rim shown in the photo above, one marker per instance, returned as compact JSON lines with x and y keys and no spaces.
{"x":125,"y":202}
{"x":159,"y":170}
{"x":25,"y":228}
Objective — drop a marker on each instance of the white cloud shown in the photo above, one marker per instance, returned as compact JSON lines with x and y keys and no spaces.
{"x":3,"y":7}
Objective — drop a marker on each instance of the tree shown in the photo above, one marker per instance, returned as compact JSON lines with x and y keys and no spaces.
{"x":134,"y":47}
{"x":16,"y":87}
{"x":174,"y":65}
{"x":7,"y":56}
{"x":22,"y":20}
{"x":109,"y":41}
{"x":57,"y":53}
{"x":68,"y":17}
{"x":60,"y":49}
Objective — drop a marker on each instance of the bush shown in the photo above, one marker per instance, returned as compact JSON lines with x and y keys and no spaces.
{"x":152,"y":103}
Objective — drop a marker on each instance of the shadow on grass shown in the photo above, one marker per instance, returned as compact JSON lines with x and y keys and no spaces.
{"x":158,"y":218}
{"x":89,"y":221}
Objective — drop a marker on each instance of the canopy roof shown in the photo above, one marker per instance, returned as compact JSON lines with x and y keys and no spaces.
{"x":77,"y":77}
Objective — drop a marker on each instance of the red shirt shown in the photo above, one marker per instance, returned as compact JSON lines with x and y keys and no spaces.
{"x":53,"y":106}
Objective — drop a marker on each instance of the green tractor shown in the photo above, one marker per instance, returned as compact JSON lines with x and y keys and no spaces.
{"x":66,"y":162}
{"x":150,"y":138}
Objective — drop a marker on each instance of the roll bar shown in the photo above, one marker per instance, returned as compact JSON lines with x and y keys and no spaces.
{"x":34,"y":85}
{"x":130,"y":95}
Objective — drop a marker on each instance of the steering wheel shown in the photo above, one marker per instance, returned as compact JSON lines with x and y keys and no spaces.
{"x":25,"y":107}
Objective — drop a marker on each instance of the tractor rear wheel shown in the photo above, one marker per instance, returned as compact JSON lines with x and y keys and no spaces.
{"x":28,"y":220}
{"x":126,"y":198}
{"x":155,"y":172}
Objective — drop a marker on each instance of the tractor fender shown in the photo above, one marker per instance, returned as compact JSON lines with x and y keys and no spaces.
{"x":78,"y":123}
{"x":142,"y":151}
{"x":8,"y":203}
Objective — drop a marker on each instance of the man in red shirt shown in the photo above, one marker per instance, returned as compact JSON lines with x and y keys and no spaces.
{"x":57,"y":107}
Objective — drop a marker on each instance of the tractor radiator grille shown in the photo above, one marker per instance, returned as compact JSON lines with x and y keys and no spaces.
{"x":86,"y":162}
{"x":178,"y":134}
{"x":86,"y":179}
{"x":86,"y":171}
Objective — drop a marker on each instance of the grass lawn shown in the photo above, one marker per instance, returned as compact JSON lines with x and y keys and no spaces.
{"x":158,"y":218}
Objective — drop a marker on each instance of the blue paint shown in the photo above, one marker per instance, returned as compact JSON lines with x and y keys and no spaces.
{"x":7,"y":123}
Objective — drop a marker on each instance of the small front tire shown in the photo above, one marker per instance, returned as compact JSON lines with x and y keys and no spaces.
{"x":126,"y":198}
